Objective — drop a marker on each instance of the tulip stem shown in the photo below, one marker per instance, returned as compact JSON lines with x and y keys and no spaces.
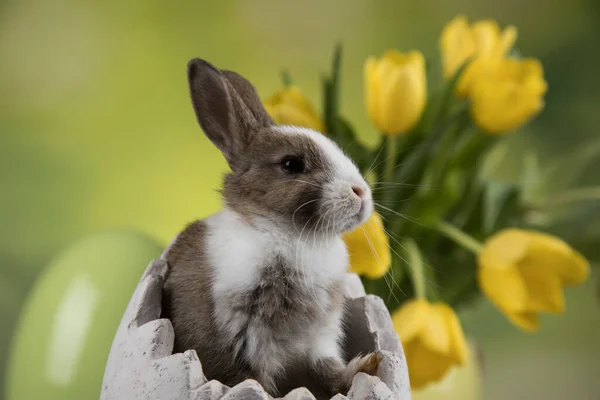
{"x":390,"y":159}
{"x":458,"y":236}
{"x":415,"y":262}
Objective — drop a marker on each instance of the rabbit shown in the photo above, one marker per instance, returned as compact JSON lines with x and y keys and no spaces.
{"x":257,"y":288}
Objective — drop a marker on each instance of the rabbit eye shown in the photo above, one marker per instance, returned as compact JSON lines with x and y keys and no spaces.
{"x":292,"y":165}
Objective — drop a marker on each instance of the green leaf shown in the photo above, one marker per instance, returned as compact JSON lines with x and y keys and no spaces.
{"x":404,"y":147}
{"x":416,"y":267}
{"x":439,"y":200}
{"x":456,"y":274}
{"x":413,"y":166}
{"x":495,"y":158}
{"x":439,"y":104}
{"x":349,"y":143}
{"x":472,"y":148}
{"x":469,"y":214}
{"x":331,"y":93}
{"x":567,"y":169}
{"x":437,"y":168}
{"x":376,"y":165}
{"x":286,"y":78}
{"x":500,"y":203}
{"x":433,"y":287}
{"x":329,"y":108}
{"x":338,"y":128}
{"x":532,"y":174}
{"x":465,"y":289}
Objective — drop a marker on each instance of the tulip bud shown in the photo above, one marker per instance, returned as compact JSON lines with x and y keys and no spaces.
{"x":462,"y":382}
{"x":396,"y":91}
{"x":368,"y":248}
{"x":289,"y":106}
{"x":481,"y":42}
{"x":432,"y":338}
{"x":523,"y":272}
{"x":509,"y":94}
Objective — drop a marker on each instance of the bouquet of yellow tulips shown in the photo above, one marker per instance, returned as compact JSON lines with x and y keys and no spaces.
{"x":445,"y":231}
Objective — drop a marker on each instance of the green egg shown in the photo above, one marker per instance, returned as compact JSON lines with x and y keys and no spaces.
{"x":66,"y":328}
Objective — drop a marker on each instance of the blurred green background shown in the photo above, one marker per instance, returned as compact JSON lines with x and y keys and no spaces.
{"x":97,"y":131}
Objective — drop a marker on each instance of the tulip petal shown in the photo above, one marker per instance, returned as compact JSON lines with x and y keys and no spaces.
{"x":506,"y":41}
{"x":559,"y":258}
{"x":458,"y":348}
{"x":424,"y":365}
{"x":527,"y":321}
{"x":385,"y":66}
{"x":504,"y":287}
{"x":387,"y":74}
{"x":486,"y":34}
{"x":410,"y":319}
{"x":404,"y":90}
{"x":395,"y":92}
{"x":289,"y":106}
{"x":543,"y":288}
{"x":456,"y":45}
{"x":397,"y":57}
{"x":470,"y":74}
{"x":505,"y":248}
{"x":286,"y":114}
{"x":372,"y":95}
{"x":294,"y":97}
{"x":368,"y":248}
{"x":435,"y":335}
{"x":508,"y":94}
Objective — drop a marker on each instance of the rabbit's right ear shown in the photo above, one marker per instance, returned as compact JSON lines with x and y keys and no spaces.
{"x":223,"y":114}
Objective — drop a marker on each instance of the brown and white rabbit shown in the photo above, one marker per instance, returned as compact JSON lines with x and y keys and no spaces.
{"x":257,"y":289}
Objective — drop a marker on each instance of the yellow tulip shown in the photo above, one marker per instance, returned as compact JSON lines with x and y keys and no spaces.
{"x":396,"y":90}
{"x":462,"y":382}
{"x":523,"y":272}
{"x":511,"y":93}
{"x":368,"y":248}
{"x":289,"y":106}
{"x":432,"y":338}
{"x":482,"y":42}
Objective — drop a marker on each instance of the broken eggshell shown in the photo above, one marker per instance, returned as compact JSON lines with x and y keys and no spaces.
{"x":141,"y":364}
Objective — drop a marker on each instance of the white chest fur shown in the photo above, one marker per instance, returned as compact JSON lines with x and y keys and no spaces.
{"x":237,"y":251}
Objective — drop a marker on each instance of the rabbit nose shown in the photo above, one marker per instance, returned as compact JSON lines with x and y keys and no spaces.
{"x":358,"y":191}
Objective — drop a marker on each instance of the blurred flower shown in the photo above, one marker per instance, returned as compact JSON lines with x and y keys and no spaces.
{"x":482,"y":41}
{"x":523,"y":272}
{"x":462,"y":382}
{"x":368,"y":248}
{"x":289,"y":106}
{"x":510,"y":94}
{"x":396,"y":90}
{"x":432,"y":338}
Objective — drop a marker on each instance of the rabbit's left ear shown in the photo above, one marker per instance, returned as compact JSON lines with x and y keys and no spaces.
{"x":249,"y":96}
{"x":227,"y":108}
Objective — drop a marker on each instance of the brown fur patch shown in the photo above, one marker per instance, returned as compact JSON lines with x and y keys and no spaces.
{"x":188,"y":303}
{"x":263,"y":189}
